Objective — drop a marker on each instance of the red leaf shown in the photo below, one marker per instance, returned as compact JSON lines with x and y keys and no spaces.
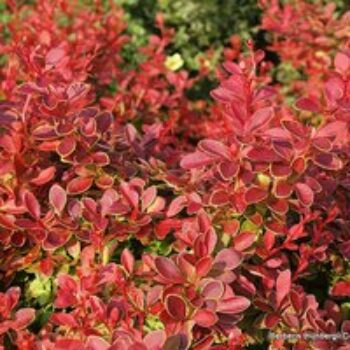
{"x":66,"y":147}
{"x":342,"y":62}
{"x":308,"y":104}
{"x":54,"y":56}
{"x":282,"y":189}
{"x":176,"y":206}
{"x":244,"y":240}
{"x":165,"y":226}
{"x":176,"y":307}
{"x":205,"y":318}
{"x":214,"y":148}
{"x":32,"y":205}
{"x":221,"y":94}
{"x":24,"y":317}
{"x":304,"y":193}
{"x":79,"y":185}
{"x":219,"y":197}
{"x":283,"y":285}
{"x":63,"y":319}
{"x":233,"y":305}
{"x":327,"y":161}
{"x":96,"y":343}
{"x":213,"y":290}
{"x":255,"y":195}
{"x":259,"y":119}
{"x":148,"y":197}
{"x":155,"y":340}
{"x":130,"y":194}
{"x":196,"y":160}
{"x":341,"y":289}
{"x":69,"y":344}
{"x":228,"y":170}
{"x":127,"y":260}
{"x":44,"y":176}
{"x":57,"y":198}
{"x":227,"y":259}
{"x":203,"y":265}
{"x":168,"y":270}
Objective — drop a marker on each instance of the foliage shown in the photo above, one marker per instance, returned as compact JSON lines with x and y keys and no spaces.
{"x":135,"y":217}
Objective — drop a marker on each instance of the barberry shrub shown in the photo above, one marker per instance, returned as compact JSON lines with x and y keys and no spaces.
{"x":133,"y":217}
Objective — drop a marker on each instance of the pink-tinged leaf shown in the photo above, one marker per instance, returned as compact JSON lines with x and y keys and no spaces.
{"x":213,"y":290}
{"x":176,"y":307}
{"x":44,"y":176}
{"x":283,"y":286}
{"x":228,"y":169}
{"x":155,"y":340}
{"x":244,"y":240}
{"x":7,"y":221}
{"x":269,"y":240}
{"x":79,"y":185}
{"x":56,"y":238}
{"x":164,"y":227}
{"x":176,"y":206}
{"x":342,"y":62}
{"x":54,"y":56}
{"x":178,"y":342}
{"x":96,"y":343}
{"x":227,"y":259}
{"x":63,"y":319}
{"x":295,"y":128}
{"x":32,"y":205}
{"x":69,"y":344}
{"x":341,"y":289}
{"x":299,"y":165}
{"x":196,"y":160}
{"x":205,"y":318}
{"x":104,"y":121}
{"x":263,"y":154}
{"x":221,"y":94}
{"x":168,"y":270}
{"x":272,"y":320}
{"x":66,"y":147}
{"x":232,"y":67}
{"x":233,"y":305}
{"x":157,"y":206}
{"x":127,"y":260}
{"x":101,"y":158}
{"x":304,"y":193}
{"x":282,"y":189}
{"x":278,"y":206}
{"x":278,"y":134}
{"x":203,"y":265}
{"x":130,"y":194}
{"x":327,"y":161}
{"x":284,"y":149}
{"x":259,"y":119}
{"x":57,"y":198}
{"x":148,"y":197}
{"x":331,"y":130}
{"x":104,"y":181}
{"x":308,"y":104}
{"x":281,"y":170}
{"x":255,"y":195}
{"x":219,"y":197}
{"x":322,"y":144}
{"x":24,"y":317}
{"x":296,"y":300}
{"x":334,"y":89}
{"x":214,"y":148}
